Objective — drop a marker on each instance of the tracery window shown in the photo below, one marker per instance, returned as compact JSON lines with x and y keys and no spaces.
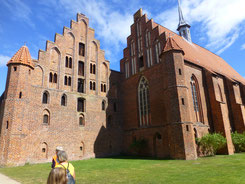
{"x":144,"y":102}
{"x":196,"y":98}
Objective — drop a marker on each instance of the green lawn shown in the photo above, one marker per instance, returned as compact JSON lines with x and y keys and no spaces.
{"x":220,"y":169}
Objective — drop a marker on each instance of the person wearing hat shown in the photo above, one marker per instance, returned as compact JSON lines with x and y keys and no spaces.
{"x":55,"y":160}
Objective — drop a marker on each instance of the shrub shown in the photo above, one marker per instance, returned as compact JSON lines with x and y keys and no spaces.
{"x":238,"y":141}
{"x":211,"y":143}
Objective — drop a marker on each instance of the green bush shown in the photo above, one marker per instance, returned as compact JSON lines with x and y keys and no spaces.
{"x":238,"y":141}
{"x":211,"y":143}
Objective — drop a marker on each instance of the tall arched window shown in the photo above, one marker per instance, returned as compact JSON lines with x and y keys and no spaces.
{"x":55,"y":78}
{"x":70,"y":62}
{"x":50,"y":77}
{"x":67,"y":62}
{"x":45,"y":99}
{"x":91,"y":85}
{"x":65,"y":81}
{"x":196,"y":99}
{"x":64,"y":100}
{"x":144,"y":102}
{"x":69,"y":81}
{"x":46,"y":117}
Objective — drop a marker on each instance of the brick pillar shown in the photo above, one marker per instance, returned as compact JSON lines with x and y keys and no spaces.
{"x":219,"y":111}
{"x":236,"y":107}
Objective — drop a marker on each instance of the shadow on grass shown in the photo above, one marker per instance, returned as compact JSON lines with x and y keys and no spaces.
{"x":123,"y":157}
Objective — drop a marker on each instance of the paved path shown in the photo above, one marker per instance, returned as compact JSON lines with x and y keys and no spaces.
{"x":6,"y":180}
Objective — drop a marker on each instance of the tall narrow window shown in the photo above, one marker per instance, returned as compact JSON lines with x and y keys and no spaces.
{"x":7,"y":124}
{"x":104,"y":88}
{"x":63,"y":100}
{"x":81,"y":68}
{"x":55,"y":78}
{"x":196,"y":99}
{"x":70,"y":62}
{"x":94,"y":69}
{"x":103,"y":105}
{"x":81,"y":105}
{"x":45,"y":119}
{"x":94,"y":85}
{"x":91,"y":85}
{"x":20,"y":95}
{"x":69,"y":81}
{"x":141,"y":62}
{"x":82,"y":120}
{"x":144,"y":102}
{"x":80,"y":86}
{"x":91,"y":68}
{"x":67,"y":62}
{"x":65,"y":82}
{"x":50,"y":77}
{"x":45,"y":97}
{"x":81,"y":49}
{"x":157,"y":50}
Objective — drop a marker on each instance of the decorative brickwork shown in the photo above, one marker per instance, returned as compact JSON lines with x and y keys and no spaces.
{"x":168,"y":92}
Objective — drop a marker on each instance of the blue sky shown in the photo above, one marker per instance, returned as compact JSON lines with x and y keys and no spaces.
{"x":216,"y":25}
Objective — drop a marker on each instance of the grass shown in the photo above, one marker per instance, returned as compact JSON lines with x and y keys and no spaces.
{"x":131,"y":170}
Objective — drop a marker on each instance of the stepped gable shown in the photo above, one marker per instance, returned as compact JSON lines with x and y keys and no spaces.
{"x":22,"y":56}
{"x":172,"y":45}
{"x":202,"y":57}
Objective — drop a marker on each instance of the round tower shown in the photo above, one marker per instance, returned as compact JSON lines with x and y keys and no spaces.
{"x":15,"y":103}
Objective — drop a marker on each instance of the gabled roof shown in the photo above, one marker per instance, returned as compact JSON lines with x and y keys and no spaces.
{"x":202,"y":57}
{"x":22,"y":56}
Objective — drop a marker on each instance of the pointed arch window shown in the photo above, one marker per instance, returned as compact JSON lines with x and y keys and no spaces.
{"x":63,"y":100}
{"x":67,"y":62}
{"x":69,"y":81}
{"x":70,"y":62}
{"x":46,"y":117}
{"x":65,"y":81}
{"x":45,"y":99}
{"x":196,"y":98}
{"x":144,"y":102}
{"x":55,"y":78}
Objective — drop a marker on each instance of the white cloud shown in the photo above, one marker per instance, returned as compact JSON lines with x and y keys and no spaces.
{"x":4,"y":60}
{"x":220,"y":21}
{"x":19,"y":10}
{"x":243,"y":47}
{"x":112,"y":26}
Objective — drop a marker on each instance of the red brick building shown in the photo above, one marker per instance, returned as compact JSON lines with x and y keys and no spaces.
{"x":168,"y":91}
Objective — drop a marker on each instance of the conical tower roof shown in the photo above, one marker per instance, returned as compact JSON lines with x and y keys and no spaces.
{"x":22,"y":56}
{"x":172,"y":45}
